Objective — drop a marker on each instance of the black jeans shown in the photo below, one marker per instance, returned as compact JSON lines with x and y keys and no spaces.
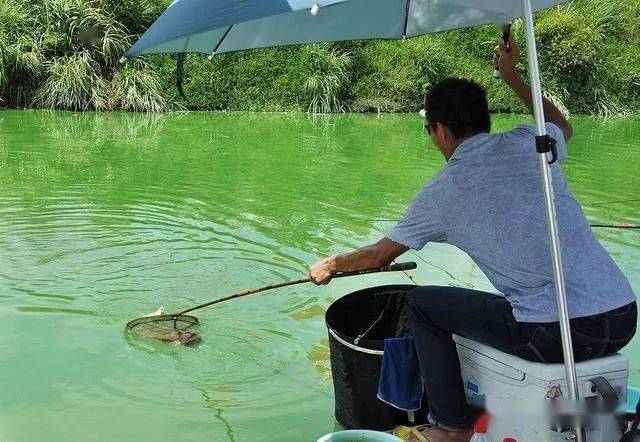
{"x":437,"y":312}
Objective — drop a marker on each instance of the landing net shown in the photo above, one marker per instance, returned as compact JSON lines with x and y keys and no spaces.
{"x":167,"y":328}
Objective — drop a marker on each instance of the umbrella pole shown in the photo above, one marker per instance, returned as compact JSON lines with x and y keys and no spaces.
{"x":550,"y":209}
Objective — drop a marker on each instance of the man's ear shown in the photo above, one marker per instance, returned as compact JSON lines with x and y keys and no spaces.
{"x":446,"y":134}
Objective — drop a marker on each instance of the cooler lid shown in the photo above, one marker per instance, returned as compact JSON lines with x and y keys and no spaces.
{"x":546,"y":372}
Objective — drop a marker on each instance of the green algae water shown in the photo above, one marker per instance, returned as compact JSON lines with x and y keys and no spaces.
{"x":104,"y":217}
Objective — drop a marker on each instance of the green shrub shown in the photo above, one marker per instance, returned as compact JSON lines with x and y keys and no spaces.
{"x":633,"y":29}
{"x":13,"y":17}
{"x":566,"y":46}
{"x":135,"y":15}
{"x":586,"y":53}
{"x":394,"y":76}
{"x":3,"y":62}
{"x":258,"y":80}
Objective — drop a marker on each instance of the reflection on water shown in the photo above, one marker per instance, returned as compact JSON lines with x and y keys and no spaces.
{"x":104,"y":217}
{"x":36,"y":309}
{"x":319,"y":354}
{"x":309,"y":312}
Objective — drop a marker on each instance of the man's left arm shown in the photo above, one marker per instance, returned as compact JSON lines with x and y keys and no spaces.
{"x":380,"y":254}
{"x":506,"y":58}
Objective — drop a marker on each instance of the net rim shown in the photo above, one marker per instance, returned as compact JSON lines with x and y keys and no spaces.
{"x":159,"y":318}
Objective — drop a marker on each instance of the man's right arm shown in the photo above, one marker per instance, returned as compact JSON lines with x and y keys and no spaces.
{"x":419,"y":226}
{"x":379,"y":254}
{"x":506,"y":61}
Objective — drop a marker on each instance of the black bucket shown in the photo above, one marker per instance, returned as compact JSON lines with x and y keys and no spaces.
{"x":379,"y":313}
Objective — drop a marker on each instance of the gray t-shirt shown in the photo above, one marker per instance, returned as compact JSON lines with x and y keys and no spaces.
{"x":488,"y":202}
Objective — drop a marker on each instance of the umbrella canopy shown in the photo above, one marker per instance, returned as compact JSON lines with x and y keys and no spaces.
{"x":217,"y":26}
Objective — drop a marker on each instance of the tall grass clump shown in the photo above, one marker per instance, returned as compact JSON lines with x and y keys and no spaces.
{"x":63,"y":54}
{"x":137,"y":88}
{"x":327,"y":78}
{"x":73,"y":82}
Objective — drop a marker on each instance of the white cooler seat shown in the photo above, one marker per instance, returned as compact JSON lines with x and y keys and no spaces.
{"x":507,"y":382}
{"x":487,"y":371}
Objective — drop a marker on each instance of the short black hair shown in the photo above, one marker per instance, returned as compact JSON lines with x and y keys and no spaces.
{"x":459,"y":104}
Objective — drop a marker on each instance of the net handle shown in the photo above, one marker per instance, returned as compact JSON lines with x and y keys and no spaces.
{"x":390,"y":268}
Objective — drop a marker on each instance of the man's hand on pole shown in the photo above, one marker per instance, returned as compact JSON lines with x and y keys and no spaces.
{"x":505,"y":58}
{"x":321,"y":272}
{"x":380,"y":254}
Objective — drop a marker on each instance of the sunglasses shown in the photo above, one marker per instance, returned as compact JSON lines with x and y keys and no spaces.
{"x":427,"y":127}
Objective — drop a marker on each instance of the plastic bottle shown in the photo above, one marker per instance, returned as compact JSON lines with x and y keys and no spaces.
{"x":480,"y":428}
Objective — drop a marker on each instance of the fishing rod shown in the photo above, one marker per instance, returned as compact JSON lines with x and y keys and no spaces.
{"x":635,"y":200}
{"x":176,"y":327}
{"x":604,"y":226}
{"x":616,"y":226}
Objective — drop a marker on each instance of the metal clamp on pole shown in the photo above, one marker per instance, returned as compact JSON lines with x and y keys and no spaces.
{"x":546,"y":144}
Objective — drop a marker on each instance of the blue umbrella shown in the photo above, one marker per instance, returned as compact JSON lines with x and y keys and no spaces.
{"x":217,"y":26}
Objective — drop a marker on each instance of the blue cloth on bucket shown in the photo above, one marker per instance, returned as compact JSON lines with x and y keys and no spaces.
{"x":400,"y":383}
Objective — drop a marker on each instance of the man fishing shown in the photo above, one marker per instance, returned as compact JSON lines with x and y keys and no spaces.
{"x":487,"y":202}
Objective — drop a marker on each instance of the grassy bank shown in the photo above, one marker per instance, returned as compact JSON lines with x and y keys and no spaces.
{"x":63,"y":54}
